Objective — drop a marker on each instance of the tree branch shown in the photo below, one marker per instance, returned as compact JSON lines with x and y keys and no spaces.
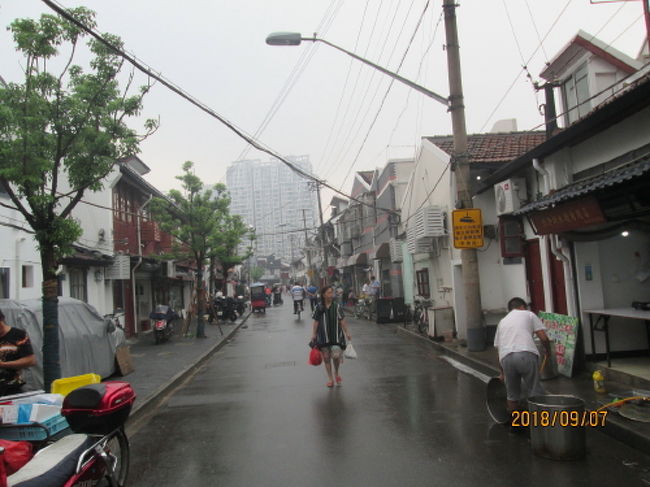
{"x":68,"y":209}
{"x":16,"y":201}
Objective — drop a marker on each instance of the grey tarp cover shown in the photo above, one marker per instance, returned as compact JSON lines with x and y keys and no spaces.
{"x":87,"y":340}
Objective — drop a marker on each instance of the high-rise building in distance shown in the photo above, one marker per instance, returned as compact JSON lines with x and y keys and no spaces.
{"x":270,"y":197}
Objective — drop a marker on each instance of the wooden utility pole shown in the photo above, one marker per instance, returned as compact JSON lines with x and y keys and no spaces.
{"x":460,"y":165}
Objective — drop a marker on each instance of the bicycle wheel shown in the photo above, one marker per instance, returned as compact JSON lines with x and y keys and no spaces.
{"x":118,"y":450}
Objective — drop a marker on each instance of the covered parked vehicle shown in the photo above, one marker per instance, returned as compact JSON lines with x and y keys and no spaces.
{"x":87,"y":340}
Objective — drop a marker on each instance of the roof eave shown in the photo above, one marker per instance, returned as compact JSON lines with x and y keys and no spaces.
{"x":625,"y":105}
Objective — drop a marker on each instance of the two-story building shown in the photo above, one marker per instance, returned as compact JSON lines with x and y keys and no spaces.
{"x":577,"y":205}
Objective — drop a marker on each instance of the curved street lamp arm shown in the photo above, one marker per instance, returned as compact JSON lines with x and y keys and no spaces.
{"x":410,"y":84}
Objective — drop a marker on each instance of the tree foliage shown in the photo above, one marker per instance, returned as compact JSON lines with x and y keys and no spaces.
{"x":61,"y":130}
{"x":199,"y":220}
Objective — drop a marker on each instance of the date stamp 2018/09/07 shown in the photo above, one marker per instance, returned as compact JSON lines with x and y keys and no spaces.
{"x":565,"y":419}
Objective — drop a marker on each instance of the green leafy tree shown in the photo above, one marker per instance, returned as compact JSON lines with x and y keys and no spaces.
{"x":191,"y":217}
{"x":225,"y":242}
{"x":61,"y":130}
{"x":256,"y":273}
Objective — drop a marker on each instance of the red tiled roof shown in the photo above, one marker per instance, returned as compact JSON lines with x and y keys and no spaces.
{"x":503,"y":147}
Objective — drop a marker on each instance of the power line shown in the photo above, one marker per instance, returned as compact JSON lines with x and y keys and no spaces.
{"x":194,"y":101}
{"x":294,"y":76}
{"x":345,"y":84}
{"x":390,"y":85}
{"x":539,"y":45}
{"x":346,"y":147}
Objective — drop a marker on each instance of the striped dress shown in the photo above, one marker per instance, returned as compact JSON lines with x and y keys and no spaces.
{"x":329,"y":331}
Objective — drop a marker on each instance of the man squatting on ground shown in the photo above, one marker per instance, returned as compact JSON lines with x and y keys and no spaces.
{"x":518,"y":355}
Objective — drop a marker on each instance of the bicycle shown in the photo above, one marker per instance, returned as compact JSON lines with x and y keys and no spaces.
{"x":299,"y":309}
{"x":421,"y":315}
{"x":362,"y":309}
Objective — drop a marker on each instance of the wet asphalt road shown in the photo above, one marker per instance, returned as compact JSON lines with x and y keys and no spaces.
{"x":257,"y":414}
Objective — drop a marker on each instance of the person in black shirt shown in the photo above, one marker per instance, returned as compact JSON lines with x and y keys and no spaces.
{"x":329,"y":334}
{"x":16,"y":353}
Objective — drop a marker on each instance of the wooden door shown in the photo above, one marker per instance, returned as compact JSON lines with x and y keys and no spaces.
{"x":534,"y":275}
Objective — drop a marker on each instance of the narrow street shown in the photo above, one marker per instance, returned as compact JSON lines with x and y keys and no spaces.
{"x":257,"y":414}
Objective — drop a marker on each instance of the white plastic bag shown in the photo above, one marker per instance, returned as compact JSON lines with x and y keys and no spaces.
{"x":350,"y":352}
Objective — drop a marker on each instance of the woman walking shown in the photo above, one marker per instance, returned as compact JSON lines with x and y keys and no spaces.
{"x":329,"y":333}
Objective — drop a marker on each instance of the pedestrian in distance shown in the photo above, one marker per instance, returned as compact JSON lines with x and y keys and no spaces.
{"x":329,"y":334}
{"x":16,"y":354}
{"x":312,"y":294}
{"x":518,"y":354}
{"x":298,"y":294}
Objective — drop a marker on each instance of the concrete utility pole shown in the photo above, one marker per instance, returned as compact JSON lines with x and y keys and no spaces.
{"x":322,"y":233}
{"x":460,"y":165}
{"x":307,"y":249}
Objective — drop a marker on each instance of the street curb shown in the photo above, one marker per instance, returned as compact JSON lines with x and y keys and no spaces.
{"x":615,"y":427}
{"x":149,"y":404}
{"x":470,"y":362}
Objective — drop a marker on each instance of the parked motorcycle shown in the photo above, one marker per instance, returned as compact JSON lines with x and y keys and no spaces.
{"x":97,"y":454}
{"x":226,"y":308}
{"x":240,"y":305}
{"x":162,"y":320}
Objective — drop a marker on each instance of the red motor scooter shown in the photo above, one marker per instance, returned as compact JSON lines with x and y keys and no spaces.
{"x":97,"y":454}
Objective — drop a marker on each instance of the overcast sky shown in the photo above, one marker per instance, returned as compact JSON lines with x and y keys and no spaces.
{"x":215,"y":50}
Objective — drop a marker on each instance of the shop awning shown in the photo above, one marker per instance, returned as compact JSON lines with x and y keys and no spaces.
{"x":608,"y":179}
{"x":358,"y":259}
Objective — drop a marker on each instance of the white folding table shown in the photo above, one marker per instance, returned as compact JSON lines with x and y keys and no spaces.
{"x":601,"y":323}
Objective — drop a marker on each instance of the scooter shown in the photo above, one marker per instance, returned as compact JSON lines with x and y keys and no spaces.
{"x":98,"y":451}
{"x":225,"y":308}
{"x":162,"y":318}
{"x":240,"y":305}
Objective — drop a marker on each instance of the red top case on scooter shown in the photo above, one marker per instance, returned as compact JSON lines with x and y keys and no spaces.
{"x":99,"y":408}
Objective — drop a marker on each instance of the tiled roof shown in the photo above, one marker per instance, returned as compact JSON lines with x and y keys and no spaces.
{"x":613,"y":177}
{"x":500,"y":147}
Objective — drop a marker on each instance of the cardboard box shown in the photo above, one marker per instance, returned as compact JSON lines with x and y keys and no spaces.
{"x":123,"y":360}
{"x":9,"y":414}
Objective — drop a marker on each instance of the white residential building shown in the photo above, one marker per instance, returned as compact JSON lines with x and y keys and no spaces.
{"x":271,"y":197}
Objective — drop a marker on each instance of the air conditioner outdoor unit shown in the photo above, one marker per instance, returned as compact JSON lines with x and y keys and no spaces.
{"x":509,"y":194}
{"x":419,"y":245}
{"x":429,"y":222}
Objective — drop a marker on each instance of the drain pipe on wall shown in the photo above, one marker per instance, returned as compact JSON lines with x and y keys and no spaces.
{"x":136,"y":328}
{"x":556,"y":247}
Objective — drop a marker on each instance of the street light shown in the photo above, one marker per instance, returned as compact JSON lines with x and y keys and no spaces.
{"x":295,"y":39}
{"x":476,"y":338}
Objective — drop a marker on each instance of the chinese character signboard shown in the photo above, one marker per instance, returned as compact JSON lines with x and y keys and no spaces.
{"x":568,"y":216}
{"x":563,"y":331}
{"x":468,"y":228}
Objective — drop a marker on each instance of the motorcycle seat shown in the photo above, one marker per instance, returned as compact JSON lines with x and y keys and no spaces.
{"x":53,"y":465}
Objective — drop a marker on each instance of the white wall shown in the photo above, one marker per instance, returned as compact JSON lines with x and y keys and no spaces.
{"x":615,"y":141}
{"x":19,"y":249}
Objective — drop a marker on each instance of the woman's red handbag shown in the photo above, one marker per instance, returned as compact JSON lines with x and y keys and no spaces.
{"x":315,"y":357}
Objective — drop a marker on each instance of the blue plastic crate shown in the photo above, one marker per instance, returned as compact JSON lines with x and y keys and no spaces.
{"x":34,"y":431}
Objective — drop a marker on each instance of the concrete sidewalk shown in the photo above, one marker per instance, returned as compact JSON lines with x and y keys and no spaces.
{"x":633,"y":433}
{"x":160,"y":369}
